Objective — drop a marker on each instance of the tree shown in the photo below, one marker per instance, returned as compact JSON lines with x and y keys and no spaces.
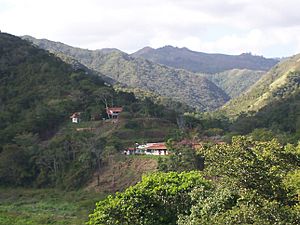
{"x":253,"y":165}
{"x":15,"y":167}
{"x":158,"y":199}
{"x":104,"y":95}
{"x":183,"y":158}
{"x":225,"y":205}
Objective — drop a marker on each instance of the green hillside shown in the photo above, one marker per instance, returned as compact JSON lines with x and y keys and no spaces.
{"x":184,"y":58}
{"x":50,"y":167}
{"x":39,"y":146}
{"x":179,"y":85}
{"x":235,"y":82}
{"x":278,"y":83}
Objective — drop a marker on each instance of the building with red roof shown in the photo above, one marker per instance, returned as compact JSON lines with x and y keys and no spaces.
{"x":113,"y":112}
{"x":75,"y":117}
{"x":159,"y":148}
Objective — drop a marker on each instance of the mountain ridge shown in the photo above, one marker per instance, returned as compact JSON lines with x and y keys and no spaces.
{"x":277,"y":83}
{"x":178,"y":84}
{"x":204,"y":62}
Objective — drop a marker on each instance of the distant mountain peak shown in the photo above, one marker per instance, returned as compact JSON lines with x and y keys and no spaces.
{"x":108,"y":50}
{"x":200,"y":62}
{"x":144,"y":50}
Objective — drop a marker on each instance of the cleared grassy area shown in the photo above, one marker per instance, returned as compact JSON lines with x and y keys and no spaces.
{"x":19,"y":206}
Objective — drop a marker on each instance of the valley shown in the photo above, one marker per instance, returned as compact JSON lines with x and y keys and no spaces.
{"x":204,"y":92}
{"x":153,"y":137}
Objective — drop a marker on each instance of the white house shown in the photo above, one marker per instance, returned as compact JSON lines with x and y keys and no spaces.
{"x":148,"y":149}
{"x":75,"y":117}
{"x":156,"y":149}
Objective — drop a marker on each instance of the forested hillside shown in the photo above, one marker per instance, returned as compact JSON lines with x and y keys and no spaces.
{"x":236,"y":81}
{"x":38,"y":143}
{"x":184,"y":58}
{"x":281,"y":82}
{"x":179,"y":85}
{"x":211,"y":176}
{"x":194,"y":90}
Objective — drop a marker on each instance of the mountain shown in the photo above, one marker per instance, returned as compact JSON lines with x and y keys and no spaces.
{"x":204,"y":62}
{"x":180,"y":85}
{"x":280,"y":83}
{"x":236,"y":81}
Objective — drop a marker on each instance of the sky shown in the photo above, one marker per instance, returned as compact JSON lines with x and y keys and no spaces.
{"x":263,"y":27}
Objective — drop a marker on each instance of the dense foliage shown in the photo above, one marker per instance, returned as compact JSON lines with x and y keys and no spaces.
{"x":252,"y":179}
{"x":251,"y":182}
{"x":158,"y":199}
{"x":38,"y":94}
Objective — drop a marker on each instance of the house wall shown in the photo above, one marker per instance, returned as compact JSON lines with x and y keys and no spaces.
{"x":146,"y":152}
{"x":156,"y":152}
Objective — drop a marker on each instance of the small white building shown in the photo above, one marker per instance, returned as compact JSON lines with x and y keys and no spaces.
{"x":75,"y":117}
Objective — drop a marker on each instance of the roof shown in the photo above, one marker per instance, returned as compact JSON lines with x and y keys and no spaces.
{"x":156,"y":146}
{"x":114,"y":109}
{"x":75,"y":115}
{"x":191,"y":143}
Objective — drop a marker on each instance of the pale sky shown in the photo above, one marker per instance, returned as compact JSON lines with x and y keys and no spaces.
{"x":262,"y":27}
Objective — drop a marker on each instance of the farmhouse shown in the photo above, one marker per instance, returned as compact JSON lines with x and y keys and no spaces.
{"x":113,"y":112}
{"x":156,"y":149}
{"x":148,"y":149}
{"x":75,"y":117}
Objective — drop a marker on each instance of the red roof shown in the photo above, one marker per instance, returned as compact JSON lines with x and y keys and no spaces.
{"x":111,"y":110}
{"x":157,"y":146}
{"x":75,"y":115}
{"x":115,"y":109}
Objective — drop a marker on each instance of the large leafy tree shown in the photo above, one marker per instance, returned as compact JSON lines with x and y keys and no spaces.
{"x":253,"y":165}
{"x":256,"y":183}
{"x":158,"y":199}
